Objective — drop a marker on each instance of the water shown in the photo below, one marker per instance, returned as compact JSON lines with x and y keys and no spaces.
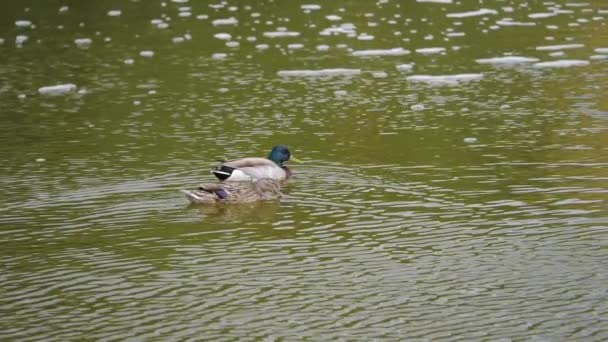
{"x":454,"y":186}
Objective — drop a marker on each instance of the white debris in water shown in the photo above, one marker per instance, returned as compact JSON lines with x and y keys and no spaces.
{"x":340,"y":93}
{"x":228,"y":21}
{"x":115,"y":13}
{"x":23,"y":23}
{"x":223,"y":36}
{"x":445,"y":79}
{"x":559,"y":47}
{"x":541,"y":15}
{"x":219,"y":55}
{"x":455,"y":34}
{"x":178,"y":40}
{"x":379,"y":74}
{"x":598,"y":57}
{"x":436,"y":1}
{"x":504,"y":106}
{"x":152,"y":92}
{"x":129,"y":61}
{"x":202,"y":17}
{"x":483,"y":11}
{"x":146,"y":53}
{"x":295,"y":46}
{"x":601,"y":50}
{"x":262,"y":46}
{"x":507,"y":60}
{"x":20,"y":39}
{"x":333,"y":17}
{"x":384,"y":52}
{"x":417,"y":107}
{"x":83,"y":43}
{"x":557,"y":54}
{"x":322,"y":47}
{"x":21,"y":96}
{"x":40,"y":160}
{"x":365,"y":36}
{"x":184,"y":14}
{"x":1,"y":41}
{"x":278,"y":34}
{"x":319,"y":73}
{"x":514,"y":23}
{"x":405,"y":67}
{"x":251,"y":39}
{"x":563,"y":63}
{"x":56,"y":90}
{"x":232,"y":44}
{"x":310,"y":7}
{"x":63,"y":9}
{"x":430,"y":51}
{"x":346,"y":28}
{"x":136,"y":102}
{"x":470,"y":140}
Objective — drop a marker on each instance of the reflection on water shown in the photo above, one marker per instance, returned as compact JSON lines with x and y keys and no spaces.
{"x":454,"y":184}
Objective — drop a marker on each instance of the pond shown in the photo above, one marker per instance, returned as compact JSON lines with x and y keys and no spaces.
{"x":454,"y":183}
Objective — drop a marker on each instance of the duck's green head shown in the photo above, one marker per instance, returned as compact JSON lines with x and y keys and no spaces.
{"x":281,"y":154}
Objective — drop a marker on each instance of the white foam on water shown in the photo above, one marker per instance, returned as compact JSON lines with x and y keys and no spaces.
{"x":310,"y":7}
{"x":507,"y":60}
{"x":223,"y":36}
{"x":232,"y":44}
{"x":295,"y":46}
{"x":279,"y":34}
{"x":482,"y":11}
{"x":262,"y":46}
{"x":333,"y":17}
{"x":379,"y":74}
{"x":20,"y":39}
{"x":63,"y":9}
{"x":146,"y":53}
{"x":381,"y":52}
{"x":470,"y":140}
{"x":405,"y":67}
{"x":319,"y":73}
{"x":219,"y":55}
{"x":365,"y":36}
{"x":227,"y":21}
{"x":557,"y":54}
{"x":1,"y":41}
{"x":129,"y":61}
{"x":184,"y":14}
{"x":115,"y":13}
{"x":178,"y":40}
{"x":541,"y":15}
{"x":435,"y":1}
{"x":417,"y":107}
{"x":346,"y":28}
{"x":322,"y":47}
{"x":430,"y":51}
{"x":83,"y":43}
{"x":559,"y":47}
{"x":56,"y":90}
{"x":598,"y":57}
{"x":514,"y":23}
{"x":601,"y":50}
{"x":340,"y":93}
{"x":445,"y":79}
{"x":23,"y":23}
{"x":563,"y":63}
{"x":455,"y":34}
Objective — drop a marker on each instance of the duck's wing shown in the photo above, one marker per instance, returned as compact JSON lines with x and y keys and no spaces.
{"x":246,"y":169}
{"x":249,"y":162}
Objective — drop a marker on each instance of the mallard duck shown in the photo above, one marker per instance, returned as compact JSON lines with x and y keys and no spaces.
{"x":247,"y":169}
{"x":235,"y":192}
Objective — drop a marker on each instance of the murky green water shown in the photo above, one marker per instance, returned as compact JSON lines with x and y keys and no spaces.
{"x":466,"y":206}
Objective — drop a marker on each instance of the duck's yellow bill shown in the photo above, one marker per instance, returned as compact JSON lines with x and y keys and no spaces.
{"x":294,"y":159}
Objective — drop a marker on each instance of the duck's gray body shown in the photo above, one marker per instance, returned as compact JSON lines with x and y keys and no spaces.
{"x":235,"y":192}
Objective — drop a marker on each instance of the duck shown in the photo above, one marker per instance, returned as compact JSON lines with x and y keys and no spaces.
{"x":235,"y":192}
{"x":249,"y":169}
